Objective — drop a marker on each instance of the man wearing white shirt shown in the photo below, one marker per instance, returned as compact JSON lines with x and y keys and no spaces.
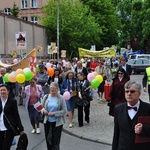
{"x":125,"y":120}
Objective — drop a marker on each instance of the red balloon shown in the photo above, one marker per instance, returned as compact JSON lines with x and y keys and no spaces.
{"x":50,"y":72}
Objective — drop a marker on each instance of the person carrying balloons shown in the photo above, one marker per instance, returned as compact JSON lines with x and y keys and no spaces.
{"x":69,"y":84}
{"x":83,"y":101}
{"x":101,"y":70}
{"x":33,"y":92}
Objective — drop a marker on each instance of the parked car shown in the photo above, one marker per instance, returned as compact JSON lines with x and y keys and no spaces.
{"x":139,"y":65}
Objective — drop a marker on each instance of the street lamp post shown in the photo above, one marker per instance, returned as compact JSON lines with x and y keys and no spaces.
{"x":58,"y":14}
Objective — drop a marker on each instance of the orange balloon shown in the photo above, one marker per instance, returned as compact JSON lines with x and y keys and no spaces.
{"x":18,"y":71}
{"x":95,"y":73}
{"x":12,"y":78}
{"x":50,"y":72}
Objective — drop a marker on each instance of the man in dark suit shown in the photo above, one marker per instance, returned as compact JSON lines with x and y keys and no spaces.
{"x":125,"y":66}
{"x":125,"y":120}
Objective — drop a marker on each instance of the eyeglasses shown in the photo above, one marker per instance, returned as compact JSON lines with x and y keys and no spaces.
{"x":131,"y":91}
{"x":120,"y":73}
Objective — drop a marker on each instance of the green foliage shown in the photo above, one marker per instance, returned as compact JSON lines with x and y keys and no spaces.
{"x":14,"y":11}
{"x":107,"y":18}
{"x":78,"y":28}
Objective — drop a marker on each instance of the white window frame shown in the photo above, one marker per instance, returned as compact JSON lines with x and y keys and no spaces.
{"x":34,"y":3}
{"x":24,"y":18}
{"x":24,"y":4}
{"x":34,"y":19}
{"x":7,"y":11}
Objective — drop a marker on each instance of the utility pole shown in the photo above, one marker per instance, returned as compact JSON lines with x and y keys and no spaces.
{"x":58,"y":15}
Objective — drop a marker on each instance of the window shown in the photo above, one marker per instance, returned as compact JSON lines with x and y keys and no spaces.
{"x":34,"y":19}
{"x":7,"y":11}
{"x":33,"y":4}
{"x":25,"y":18}
{"x":24,"y":4}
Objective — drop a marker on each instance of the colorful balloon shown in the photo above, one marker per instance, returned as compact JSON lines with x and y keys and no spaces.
{"x":95,"y":73}
{"x":95,"y":83}
{"x":100,"y":78}
{"x":26,"y":70}
{"x":66,"y":95}
{"x":37,"y":68}
{"x":90,"y":77}
{"x":5,"y":78}
{"x":15,"y":61}
{"x":12,"y":77}
{"x":50,"y":72}
{"x":20,"y":78}
{"x":19,"y":71}
{"x":48,"y":65}
{"x":28,"y":75}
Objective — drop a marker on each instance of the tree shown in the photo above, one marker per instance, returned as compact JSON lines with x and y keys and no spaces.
{"x":107,"y":18}
{"x":14,"y":11}
{"x":78,"y":28}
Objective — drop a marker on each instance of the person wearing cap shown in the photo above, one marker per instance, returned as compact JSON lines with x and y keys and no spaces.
{"x":42,"y":78}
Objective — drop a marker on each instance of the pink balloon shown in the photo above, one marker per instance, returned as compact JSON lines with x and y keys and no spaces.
{"x":48,"y":65}
{"x":90,"y":77}
{"x":15,"y":61}
{"x":66,"y":95}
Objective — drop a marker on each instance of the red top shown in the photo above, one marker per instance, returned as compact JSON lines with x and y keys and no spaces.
{"x":93,"y":65}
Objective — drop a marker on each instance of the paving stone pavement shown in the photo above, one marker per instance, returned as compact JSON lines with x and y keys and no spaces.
{"x":100,"y":128}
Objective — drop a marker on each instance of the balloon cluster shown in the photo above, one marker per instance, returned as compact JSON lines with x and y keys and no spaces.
{"x":95,"y":79}
{"x":20,"y":76}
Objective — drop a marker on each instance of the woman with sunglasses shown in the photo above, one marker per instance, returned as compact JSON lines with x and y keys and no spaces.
{"x":117,"y":90}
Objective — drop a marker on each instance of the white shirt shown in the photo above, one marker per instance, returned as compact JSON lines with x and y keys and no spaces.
{"x":132,"y":112}
{"x":124,"y":67}
{"x":2,"y":126}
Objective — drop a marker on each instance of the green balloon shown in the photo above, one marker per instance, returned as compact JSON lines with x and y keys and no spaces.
{"x":95,"y":83}
{"x":37,"y":68}
{"x":28,"y":75}
{"x":112,"y":70}
{"x":6,"y":77}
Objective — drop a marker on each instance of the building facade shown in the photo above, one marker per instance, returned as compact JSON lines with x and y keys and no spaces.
{"x":29,"y":10}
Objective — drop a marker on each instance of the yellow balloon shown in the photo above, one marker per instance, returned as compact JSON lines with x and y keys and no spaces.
{"x":100,"y":78}
{"x":20,"y":78}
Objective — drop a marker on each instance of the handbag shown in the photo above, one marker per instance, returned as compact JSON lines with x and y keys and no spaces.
{"x":42,"y":115}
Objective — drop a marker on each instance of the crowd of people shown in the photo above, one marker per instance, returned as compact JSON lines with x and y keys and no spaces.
{"x":71,"y":76}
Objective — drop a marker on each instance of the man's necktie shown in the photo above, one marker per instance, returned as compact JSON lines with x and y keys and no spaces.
{"x":134,"y":108}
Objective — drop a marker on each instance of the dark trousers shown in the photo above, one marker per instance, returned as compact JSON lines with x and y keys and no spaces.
{"x":6,"y":138}
{"x":149,"y":91}
{"x":52,"y":135}
{"x":80,"y":113}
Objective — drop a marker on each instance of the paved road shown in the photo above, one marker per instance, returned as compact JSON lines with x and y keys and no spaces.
{"x":99,"y":130}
